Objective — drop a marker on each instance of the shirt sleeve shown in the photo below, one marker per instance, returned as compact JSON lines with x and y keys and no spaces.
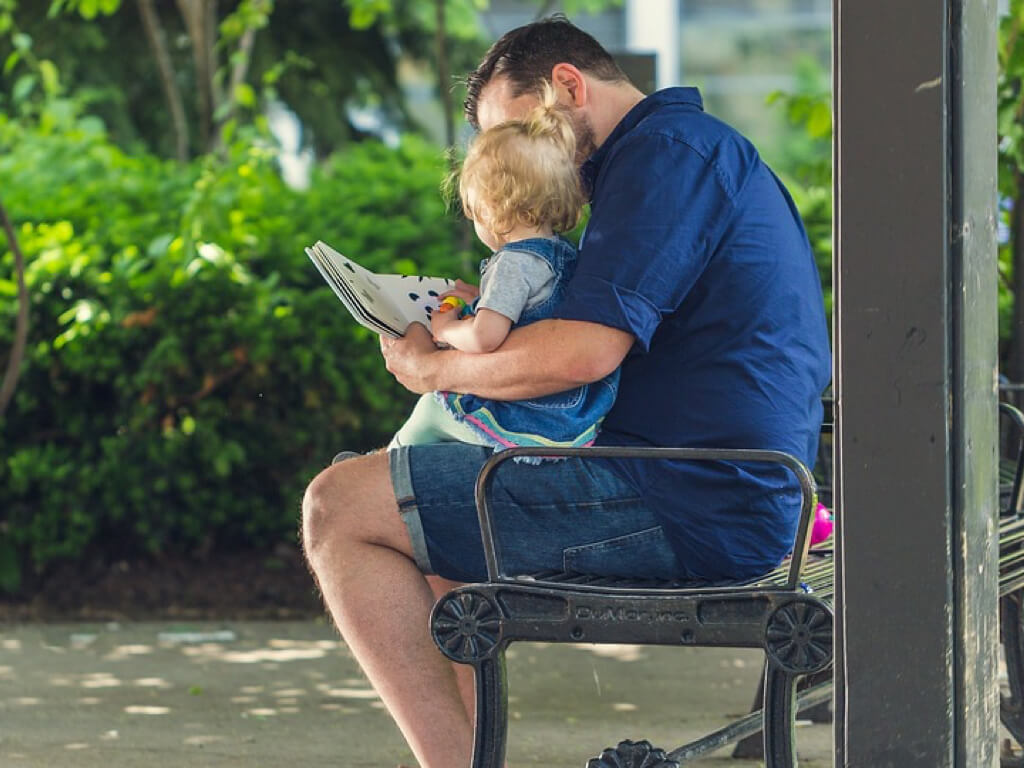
{"x":658,"y":209}
{"x":513,"y":281}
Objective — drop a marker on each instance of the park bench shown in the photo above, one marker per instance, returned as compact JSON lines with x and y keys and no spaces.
{"x":787,"y":613}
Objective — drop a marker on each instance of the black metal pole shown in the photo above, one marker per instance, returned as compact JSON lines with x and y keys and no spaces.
{"x":915,"y":337}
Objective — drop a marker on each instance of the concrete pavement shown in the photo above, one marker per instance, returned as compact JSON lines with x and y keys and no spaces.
{"x":289,"y":694}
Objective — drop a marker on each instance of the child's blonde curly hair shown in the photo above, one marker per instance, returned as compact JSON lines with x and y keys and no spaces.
{"x":523,"y":172}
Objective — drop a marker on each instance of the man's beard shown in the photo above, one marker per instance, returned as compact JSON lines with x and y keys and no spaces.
{"x":586,"y":143}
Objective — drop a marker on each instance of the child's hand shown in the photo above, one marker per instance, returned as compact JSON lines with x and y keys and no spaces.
{"x":440,"y":322}
{"x":464,"y":291}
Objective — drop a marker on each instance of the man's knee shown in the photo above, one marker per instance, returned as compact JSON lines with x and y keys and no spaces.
{"x":325,"y":506}
{"x":342,"y":504}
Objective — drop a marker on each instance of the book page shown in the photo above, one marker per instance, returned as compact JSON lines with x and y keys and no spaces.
{"x":414,"y":297}
{"x":386,"y":304}
{"x":332,"y":267}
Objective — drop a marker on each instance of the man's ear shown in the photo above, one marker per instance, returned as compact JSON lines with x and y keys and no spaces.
{"x":565,"y":77}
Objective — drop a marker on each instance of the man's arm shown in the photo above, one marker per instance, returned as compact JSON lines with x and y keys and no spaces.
{"x":539,"y":359}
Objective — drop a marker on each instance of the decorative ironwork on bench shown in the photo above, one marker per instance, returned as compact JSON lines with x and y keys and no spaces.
{"x":630,"y":754}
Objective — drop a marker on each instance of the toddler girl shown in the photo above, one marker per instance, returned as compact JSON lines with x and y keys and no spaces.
{"x":520,"y":187}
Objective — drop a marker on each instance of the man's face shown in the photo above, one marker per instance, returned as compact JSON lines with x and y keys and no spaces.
{"x":498,"y":103}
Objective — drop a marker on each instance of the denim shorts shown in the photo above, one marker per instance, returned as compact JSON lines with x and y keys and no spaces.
{"x":575,"y":515}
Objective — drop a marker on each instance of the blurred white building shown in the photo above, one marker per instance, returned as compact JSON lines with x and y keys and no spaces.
{"x":736,"y":51}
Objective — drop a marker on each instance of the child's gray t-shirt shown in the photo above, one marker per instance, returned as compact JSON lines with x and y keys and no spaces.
{"x":513,"y":281}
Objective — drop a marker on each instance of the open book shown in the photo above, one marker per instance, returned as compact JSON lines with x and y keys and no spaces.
{"x":386,"y":304}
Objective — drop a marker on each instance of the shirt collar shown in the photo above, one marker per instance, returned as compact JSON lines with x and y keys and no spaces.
{"x":658,"y":99}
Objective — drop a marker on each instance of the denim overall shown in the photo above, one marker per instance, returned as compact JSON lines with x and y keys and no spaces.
{"x":567,"y":419}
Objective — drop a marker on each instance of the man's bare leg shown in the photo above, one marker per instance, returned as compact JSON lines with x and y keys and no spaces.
{"x":359,"y":549}
{"x":465,"y":678}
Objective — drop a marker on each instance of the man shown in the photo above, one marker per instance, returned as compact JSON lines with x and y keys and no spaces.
{"x":696,"y":277}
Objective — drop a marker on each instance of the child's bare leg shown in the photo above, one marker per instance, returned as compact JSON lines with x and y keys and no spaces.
{"x":430,"y":423}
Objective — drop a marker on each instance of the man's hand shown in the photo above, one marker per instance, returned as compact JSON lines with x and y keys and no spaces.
{"x":411,"y":358}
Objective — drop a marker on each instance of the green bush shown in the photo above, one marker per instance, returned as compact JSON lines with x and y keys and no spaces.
{"x":188,"y":371}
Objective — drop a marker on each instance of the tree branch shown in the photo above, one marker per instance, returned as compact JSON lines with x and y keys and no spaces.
{"x":242,"y":59}
{"x":21,"y":326}
{"x":158,"y":42}
{"x":239,"y":70}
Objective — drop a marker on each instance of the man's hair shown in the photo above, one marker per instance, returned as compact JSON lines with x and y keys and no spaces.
{"x":526,"y":56}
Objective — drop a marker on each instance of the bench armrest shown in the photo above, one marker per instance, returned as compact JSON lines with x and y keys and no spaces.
{"x":794,"y":465}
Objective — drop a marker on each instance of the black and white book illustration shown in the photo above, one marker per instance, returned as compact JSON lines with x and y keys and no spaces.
{"x":386,"y":304}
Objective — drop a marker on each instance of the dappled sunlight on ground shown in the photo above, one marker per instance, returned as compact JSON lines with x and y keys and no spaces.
{"x":620,"y":652}
{"x":271,"y":694}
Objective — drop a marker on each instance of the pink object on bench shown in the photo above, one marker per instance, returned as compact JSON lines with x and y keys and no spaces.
{"x":822,"y":527}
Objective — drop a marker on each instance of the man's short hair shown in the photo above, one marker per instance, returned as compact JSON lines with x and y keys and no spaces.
{"x":526,"y":56}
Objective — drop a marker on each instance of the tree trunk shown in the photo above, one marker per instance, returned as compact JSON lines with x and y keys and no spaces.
{"x":200,"y":17}
{"x":210,"y":52}
{"x":443,"y":77}
{"x":21,"y":324}
{"x":158,"y":42}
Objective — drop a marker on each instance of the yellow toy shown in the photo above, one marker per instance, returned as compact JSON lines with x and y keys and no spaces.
{"x":451,"y":302}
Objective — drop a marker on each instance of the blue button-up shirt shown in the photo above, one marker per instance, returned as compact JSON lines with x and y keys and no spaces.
{"x":696,"y":249}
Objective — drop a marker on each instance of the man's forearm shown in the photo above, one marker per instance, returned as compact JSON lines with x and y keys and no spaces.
{"x":539,"y":359}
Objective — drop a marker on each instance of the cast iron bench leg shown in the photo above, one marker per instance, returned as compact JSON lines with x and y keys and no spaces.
{"x":752,"y":747}
{"x":491,"y":712}
{"x":779,"y":716}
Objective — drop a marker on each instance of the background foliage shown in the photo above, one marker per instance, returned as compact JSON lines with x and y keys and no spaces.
{"x":187,"y":370}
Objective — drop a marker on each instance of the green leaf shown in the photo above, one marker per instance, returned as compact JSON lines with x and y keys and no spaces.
{"x":245,"y":95}
{"x":819,"y":122}
{"x":364,"y":13}
{"x":21,"y":42}
{"x":51,"y":80}
{"x":88,"y":8}
{"x":12,"y":60}
{"x":159,"y":245}
{"x":22,"y":88}
{"x":228,"y":130}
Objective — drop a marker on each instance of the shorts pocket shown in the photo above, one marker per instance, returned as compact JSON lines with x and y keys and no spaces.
{"x":645,"y":554}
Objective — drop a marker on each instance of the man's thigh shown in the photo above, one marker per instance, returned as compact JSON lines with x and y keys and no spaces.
{"x":574,"y":514}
